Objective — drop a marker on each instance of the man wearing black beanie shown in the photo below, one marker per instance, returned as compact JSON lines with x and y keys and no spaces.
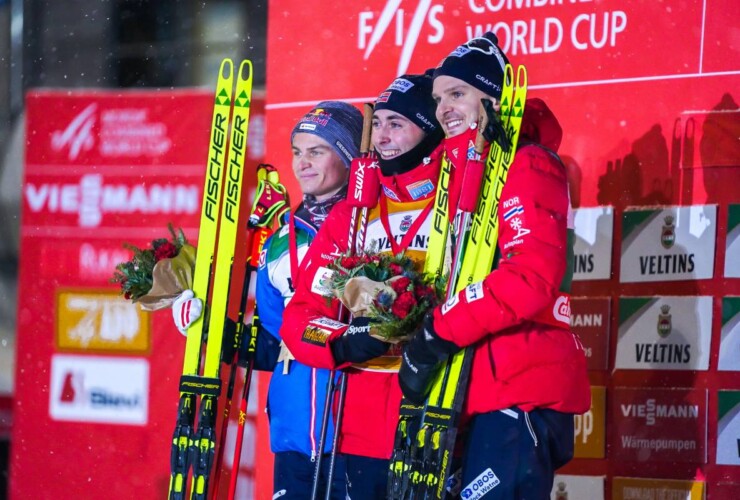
{"x":406,"y":137}
{"x":528,"y":375}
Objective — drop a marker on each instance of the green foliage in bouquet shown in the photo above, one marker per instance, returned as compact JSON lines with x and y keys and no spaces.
{"x":135,"y":276}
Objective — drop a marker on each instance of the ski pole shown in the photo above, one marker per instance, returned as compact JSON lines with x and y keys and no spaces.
{"x":266,"y":209}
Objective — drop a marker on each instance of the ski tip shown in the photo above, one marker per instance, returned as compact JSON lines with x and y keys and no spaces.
{"x":245,"y":70}
{"x":521,"y":76}
{"x":227,"y":67}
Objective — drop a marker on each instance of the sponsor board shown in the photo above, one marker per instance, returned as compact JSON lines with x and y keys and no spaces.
{"x":100,"y":321}
{"x":632,"y":488}
{"x":664,"y":333}
{"x":590,"y":428}
{"x":661,"y":425}
{"x":592,"y":252}
{"x":668,"y":244}
{"x":590,"y":319}
{"x":728,"y":427}
{"x":567,"y":487}
{"x":99,"y":389}
{"x":729,"y":344}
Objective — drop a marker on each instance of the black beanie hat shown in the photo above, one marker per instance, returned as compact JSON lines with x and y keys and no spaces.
{"x":411,"y":96}
{"x":478,"y":62}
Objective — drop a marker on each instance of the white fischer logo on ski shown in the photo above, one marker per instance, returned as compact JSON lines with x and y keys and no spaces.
{"x":405,"y":36}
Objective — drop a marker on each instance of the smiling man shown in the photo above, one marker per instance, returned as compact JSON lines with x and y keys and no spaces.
{"x":406,"y":137}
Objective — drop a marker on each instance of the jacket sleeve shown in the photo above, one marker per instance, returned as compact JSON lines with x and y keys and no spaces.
{"x":269,"y":300}
{"x":532,"y":218}
{"x":310,"y":318}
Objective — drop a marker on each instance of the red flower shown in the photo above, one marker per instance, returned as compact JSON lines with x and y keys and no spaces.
{"x":403,"y":304}
{"x":396,"y":270}
{"x":165,"y":251}
{"x":400,"y":285}
{"x":349,"y":262}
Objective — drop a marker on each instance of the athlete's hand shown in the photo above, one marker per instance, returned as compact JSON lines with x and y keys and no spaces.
{"x":356,"y":345}
{"x":421,"y":360}
{"x":186,"y":309}
{"x":494,"y":129}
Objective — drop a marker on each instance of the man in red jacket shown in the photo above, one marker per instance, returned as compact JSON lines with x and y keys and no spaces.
{"x":529,"y":375}
{"x":406,"y":137}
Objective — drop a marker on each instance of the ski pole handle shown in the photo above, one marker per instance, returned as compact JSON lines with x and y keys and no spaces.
{"x":364,"y":184}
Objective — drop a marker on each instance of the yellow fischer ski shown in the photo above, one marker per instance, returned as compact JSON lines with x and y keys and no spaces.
{"x":189,"y":385}
{"x":204,"y":440}
{"x":214,"y":259}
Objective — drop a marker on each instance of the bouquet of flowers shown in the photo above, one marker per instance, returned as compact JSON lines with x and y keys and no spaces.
{"x":156,"y":275}
{"x":387,"y":288}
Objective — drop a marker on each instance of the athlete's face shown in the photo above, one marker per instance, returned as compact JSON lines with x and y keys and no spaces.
{"x":394,"y":134}
{"x":317,"y":167}
{"x":457,"y":104}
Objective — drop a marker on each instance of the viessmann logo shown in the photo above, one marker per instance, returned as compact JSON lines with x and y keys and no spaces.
{"x":91,"y":198}
{"x":394,"y":21}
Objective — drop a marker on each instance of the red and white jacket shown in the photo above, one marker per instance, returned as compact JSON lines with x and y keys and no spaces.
{"x":523,"y":356}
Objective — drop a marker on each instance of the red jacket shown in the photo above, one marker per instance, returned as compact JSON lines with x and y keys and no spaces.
{"x":516,"y":318}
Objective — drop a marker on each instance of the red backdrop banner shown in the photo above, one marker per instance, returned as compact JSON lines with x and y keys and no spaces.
{"x":97,"y":379}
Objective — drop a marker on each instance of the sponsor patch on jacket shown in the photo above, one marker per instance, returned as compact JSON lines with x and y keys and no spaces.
{"x":513,"y":211}
{"x":471,"y":151}
{"x":390,"y":194}
{"x":314,"y":335}
{"x":319,"y":330}
{"x":474,"y":292}
{"x":263,"y":258}
{"x":419,"y":189}
{"x":481,"y":485}
{"x":320,"y":283}
{"x":450,"y":303}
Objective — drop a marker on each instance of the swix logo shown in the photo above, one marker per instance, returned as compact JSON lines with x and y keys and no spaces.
{"x":406,"y":35}
{"x":359,"y":177}
{"x":78,"y":135}
{"x":91,"y":198}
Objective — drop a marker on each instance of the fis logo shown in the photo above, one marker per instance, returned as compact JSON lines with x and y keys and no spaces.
{"x":78,"y":135}
{"x":393,"y":18}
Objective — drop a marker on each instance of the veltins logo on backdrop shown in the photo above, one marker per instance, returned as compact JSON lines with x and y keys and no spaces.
{"x":99,"y":389}
{"x":664,"y":321}
{"x":124,"y":132}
